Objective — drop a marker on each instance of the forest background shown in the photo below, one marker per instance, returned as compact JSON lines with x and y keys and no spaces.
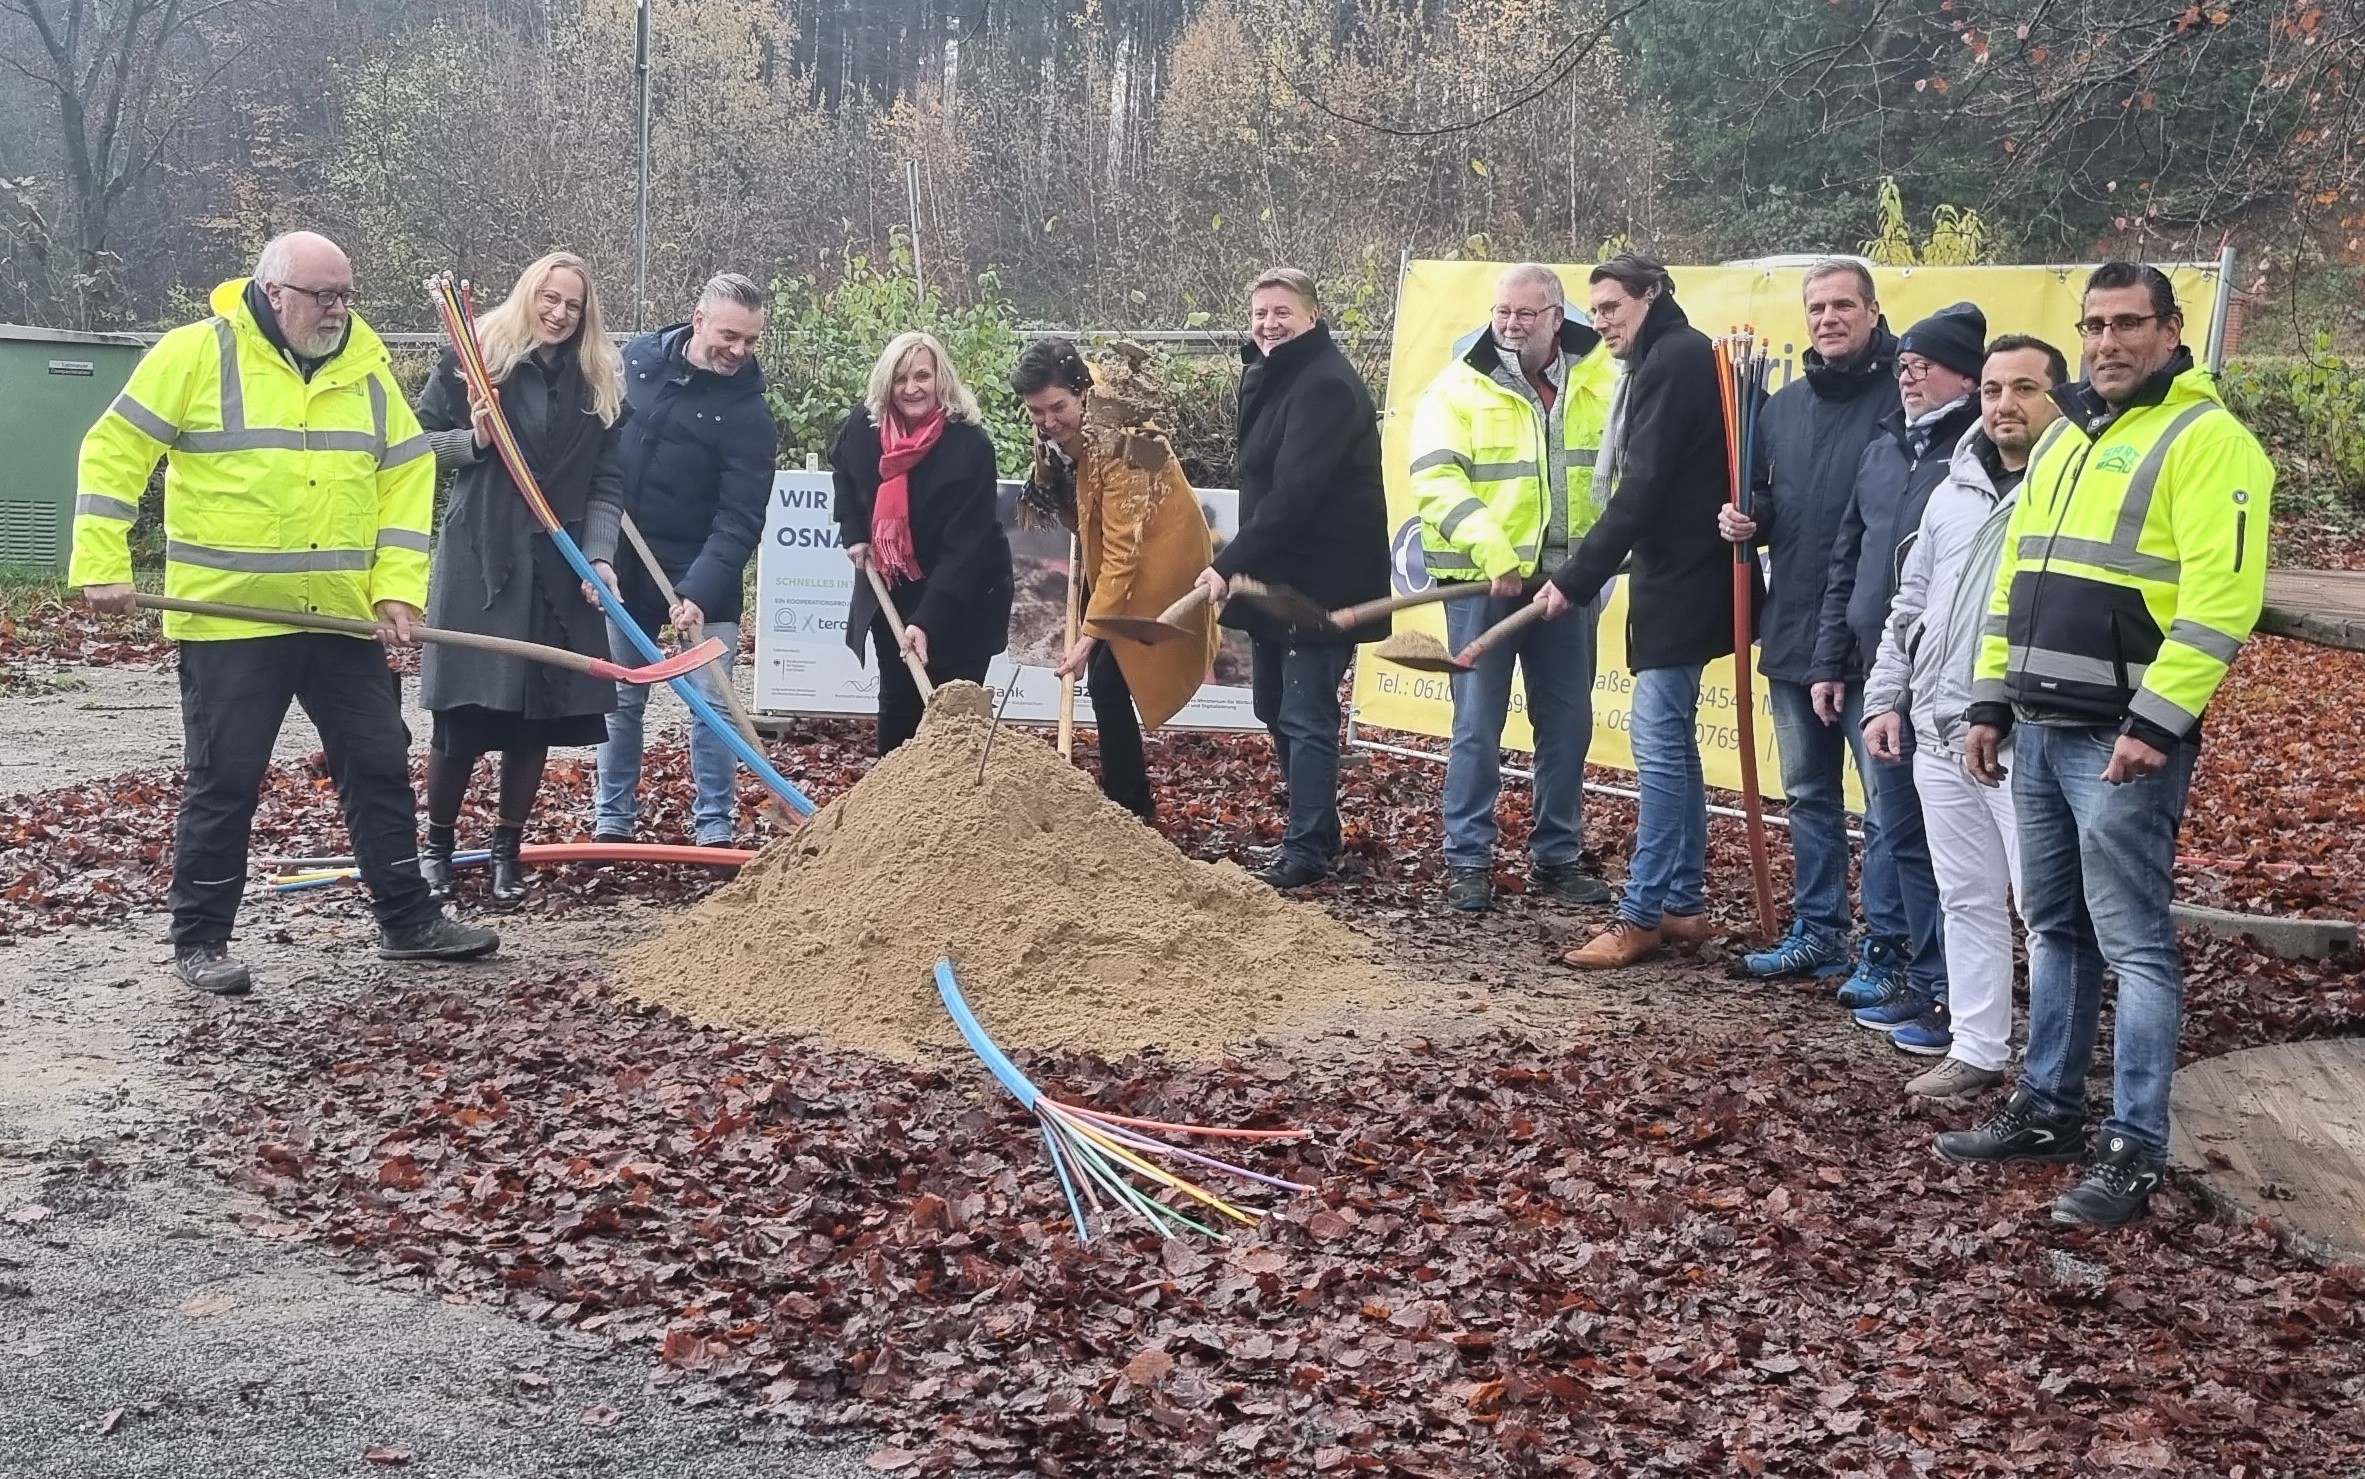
{"x":1129,"y":164}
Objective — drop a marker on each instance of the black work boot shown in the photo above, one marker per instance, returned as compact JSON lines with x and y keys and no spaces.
{"x":509,"y":875}
{"x":2016,"y":1133}
{"x":437,"y":937}
{"x":1569,"y":883}
{"x":2116,"y":1192}
{"x":210,"y":969}
{"x":435,"y":861}
{"x":1471,"y":890}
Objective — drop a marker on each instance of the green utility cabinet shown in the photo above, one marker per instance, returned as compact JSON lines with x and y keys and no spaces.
{"x":53,"y":385}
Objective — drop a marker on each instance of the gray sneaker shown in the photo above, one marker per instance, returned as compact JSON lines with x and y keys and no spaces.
{"x":1952,"y":1079}
{"x":1569,"y":883}
{"x":437,"y":937}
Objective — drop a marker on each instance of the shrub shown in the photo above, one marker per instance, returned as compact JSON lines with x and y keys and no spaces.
{"x":2310,"y":412}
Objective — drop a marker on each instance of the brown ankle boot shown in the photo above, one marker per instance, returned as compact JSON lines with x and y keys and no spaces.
{"x":1687,"y":931}
{"x":1623,"y":943}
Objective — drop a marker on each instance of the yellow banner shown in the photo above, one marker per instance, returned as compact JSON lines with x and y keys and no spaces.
{"x":1441,"y":301}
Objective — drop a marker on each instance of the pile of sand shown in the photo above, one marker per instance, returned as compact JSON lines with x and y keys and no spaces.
{"x":1071,"y":924}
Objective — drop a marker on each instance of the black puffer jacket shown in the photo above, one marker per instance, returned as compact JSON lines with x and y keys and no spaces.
{"x":1669,"y":480}
{"x":1811,"y":437}
{"x":1895,"y":476}
{"x":697,"y":451}
{"x":1313,"y":508}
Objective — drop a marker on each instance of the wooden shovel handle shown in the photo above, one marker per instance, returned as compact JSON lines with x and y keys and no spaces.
{"x":1074,"y":628}
{"x":918,"y":669}
{"x":557,"y":657}
{"x":1192,"y":600}
{"x":1525,"y":616}
{"x":1355,"y":616}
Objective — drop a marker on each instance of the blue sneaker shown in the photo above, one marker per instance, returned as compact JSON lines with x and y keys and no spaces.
{"x":1880,"y":971}
{"x":1894,"y":1011}
{"x":1930,"y":1035}
{"x":1802,"y":952}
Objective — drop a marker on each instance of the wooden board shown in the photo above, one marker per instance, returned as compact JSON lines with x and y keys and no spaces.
{"x":2280,"y":1132}
{"x":2321,"y":606}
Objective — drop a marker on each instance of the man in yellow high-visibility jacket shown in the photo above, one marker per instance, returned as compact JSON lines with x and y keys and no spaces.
{"x":1504,"y":443}
{"x":295,"y":478}
{"x":2133,"y":570}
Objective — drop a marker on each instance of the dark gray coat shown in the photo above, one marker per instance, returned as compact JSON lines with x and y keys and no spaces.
{"x":496,"y":570}
{"x":1895,"y":476}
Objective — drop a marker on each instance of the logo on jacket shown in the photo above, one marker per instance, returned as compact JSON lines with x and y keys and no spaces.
{"x":2120,"y":458}
{"x":1406,"y":568}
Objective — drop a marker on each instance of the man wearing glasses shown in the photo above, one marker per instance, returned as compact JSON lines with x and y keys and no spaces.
{"x":2134,"y":567}
{"x":296,"y":478}
{"x":1902,"y":984}
{"x":1504,"y":443}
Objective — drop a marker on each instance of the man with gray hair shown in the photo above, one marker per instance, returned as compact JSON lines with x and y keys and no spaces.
{"x":296,"y":480}
{"x":1504,"y":443}
{"x":698,"y":451}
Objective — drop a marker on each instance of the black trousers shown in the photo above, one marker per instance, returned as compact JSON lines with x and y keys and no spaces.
{"x":234,"y":697}
{"x":899,"y":698}
{"x":1124,"y":768}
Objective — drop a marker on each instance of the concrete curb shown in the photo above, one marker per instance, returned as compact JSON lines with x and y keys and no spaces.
{"x":2313,"y":939}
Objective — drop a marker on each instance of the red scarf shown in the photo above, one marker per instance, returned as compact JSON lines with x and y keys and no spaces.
{"x":900,"y":450}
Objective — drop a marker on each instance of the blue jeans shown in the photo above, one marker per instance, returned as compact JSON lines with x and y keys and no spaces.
{"x":1814,"y":778}
{"x":2096,"y":863}
{"x":1296,"y":696}
{"x":1904,"y":852}
{"x":713,"y":765}
{"x":1556,"y":659}
{"x":1669,"y":874}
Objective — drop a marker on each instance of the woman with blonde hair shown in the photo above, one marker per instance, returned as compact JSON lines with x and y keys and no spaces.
{"x":561,"y":385}
{"x":917,"y":501}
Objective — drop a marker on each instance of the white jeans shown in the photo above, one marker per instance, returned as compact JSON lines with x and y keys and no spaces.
{"x":1975,"y":854}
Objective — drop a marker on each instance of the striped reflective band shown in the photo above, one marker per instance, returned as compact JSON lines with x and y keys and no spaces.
{"x":402,"y":539}
{"x":2166,"y":713}
{"x":1442,"y":457}
{"x":150,"y":425}
{"x":1458,"y":515}
{"x":2074,"y":667}
{"x":2041,"y":548}
{"x":1583,"y":456}
{"x":269,"y":562}
{"x":408,"y":451}
{"x":2146,"y":481}
{"x":105,"y":507}
{"x":2202,"y":638}
{"x":237,"y":436}
{"x":1501,"y":472}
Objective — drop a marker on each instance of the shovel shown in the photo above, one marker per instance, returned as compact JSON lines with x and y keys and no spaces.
{"x":1440,"y":661}
{"x":680,"y":665}
{"x":919,"y":670}
{"x":1166,"y":626}
{"x":1292,"y":606}
{"x":1355,"y":616}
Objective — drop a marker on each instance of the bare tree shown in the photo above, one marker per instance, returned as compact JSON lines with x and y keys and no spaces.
{"x":108,"y":64}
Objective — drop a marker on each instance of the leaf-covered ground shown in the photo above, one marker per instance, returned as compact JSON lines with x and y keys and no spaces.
{"x":1708,"y":1240}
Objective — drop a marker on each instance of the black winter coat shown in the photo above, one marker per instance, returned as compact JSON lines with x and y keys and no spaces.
{"x":1670,"y":478}
{"x":1895,"y":477}
{"x":1811,"y":436}
{"x":1313,"y":506}
{"x":496,"y":570}
{"x":698,"y":452}
{"x":962,"y":598}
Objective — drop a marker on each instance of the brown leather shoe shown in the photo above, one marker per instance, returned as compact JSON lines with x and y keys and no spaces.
{"x":1623,"y":943}
{"x":1688,"y":930}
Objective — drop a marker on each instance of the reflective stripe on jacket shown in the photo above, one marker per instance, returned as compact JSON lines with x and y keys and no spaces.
{"x":1481,"y":457}
{"x":305,"y":495}
{"x":2135,"y":562}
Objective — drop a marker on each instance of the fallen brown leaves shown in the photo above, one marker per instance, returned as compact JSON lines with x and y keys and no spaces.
{"x":1645,"y":1252}
{"x":47,"y":636}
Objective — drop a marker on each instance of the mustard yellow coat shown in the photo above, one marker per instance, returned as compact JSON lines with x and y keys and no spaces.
{"x":1145,"y":541}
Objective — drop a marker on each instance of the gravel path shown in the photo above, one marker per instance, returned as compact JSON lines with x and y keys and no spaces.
{"x":150,"y":1324}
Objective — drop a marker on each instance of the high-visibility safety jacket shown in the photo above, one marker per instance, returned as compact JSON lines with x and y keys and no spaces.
{"x":2134,"y":565}
{"x":1485,"y":464}
{"x":304,"y":495}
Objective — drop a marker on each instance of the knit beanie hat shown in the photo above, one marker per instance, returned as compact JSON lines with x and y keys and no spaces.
{"x":1955,"y":337}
